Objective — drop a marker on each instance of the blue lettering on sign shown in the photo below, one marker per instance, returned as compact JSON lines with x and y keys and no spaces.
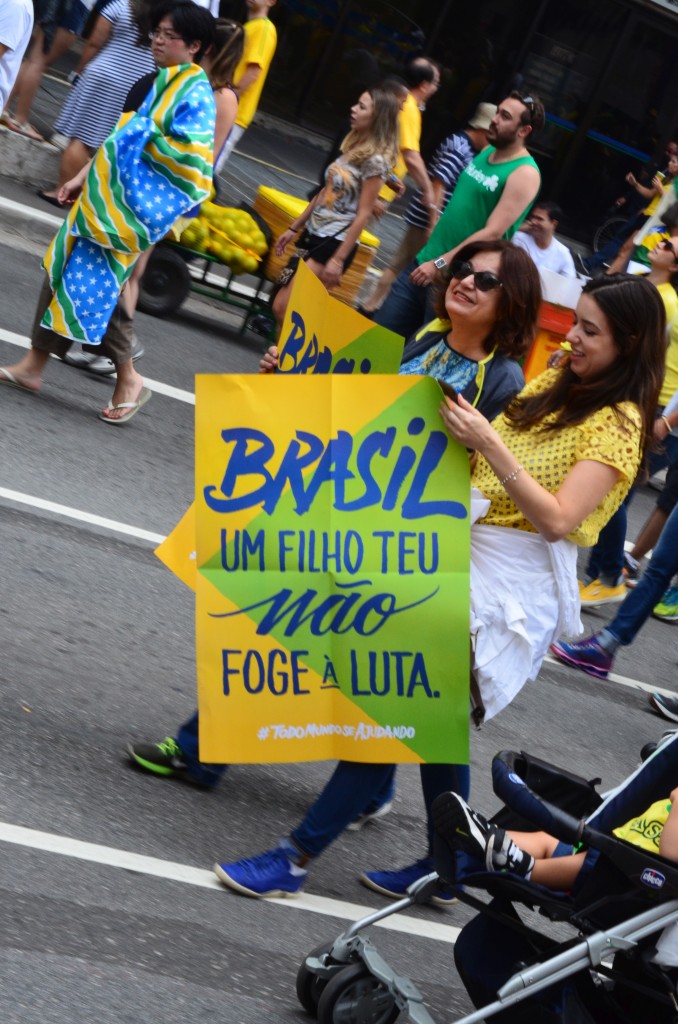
{"x":653,"y":878}
{"x":299,"y":356}
{"x":338,"y":613}
{"x":250,"y":472}
{"x":277,"y":671}
{"x":390,"y":671}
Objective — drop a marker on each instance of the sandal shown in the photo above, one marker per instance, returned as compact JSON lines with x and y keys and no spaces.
{"x":22,"y":128}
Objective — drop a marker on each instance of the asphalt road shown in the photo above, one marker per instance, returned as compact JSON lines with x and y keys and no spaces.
{"x":97,"y":649}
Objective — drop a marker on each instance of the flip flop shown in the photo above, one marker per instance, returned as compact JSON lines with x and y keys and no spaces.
{"x":133,"y":407}
{"x":10,"y":380}
{"x":50,"y":199}
{"x":22,"y":128}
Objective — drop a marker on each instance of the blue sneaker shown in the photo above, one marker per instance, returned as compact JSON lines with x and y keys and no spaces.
{"x":270,"y":874}
{"x":396,"y":883}
{"x":586,"y":654}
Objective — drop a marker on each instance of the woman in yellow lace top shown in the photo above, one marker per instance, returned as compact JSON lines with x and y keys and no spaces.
{"x":552,"y":469}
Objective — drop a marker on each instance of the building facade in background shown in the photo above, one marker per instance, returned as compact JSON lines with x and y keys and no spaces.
{"x":605,"y":70}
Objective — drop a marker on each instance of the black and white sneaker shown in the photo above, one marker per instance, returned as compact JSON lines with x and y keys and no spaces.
{"x":462,"y":828}
{"x":667,"y":707}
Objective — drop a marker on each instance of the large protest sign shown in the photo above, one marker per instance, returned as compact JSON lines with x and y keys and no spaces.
{"x":332,"y":555}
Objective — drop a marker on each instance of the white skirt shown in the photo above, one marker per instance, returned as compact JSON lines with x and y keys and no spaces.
{"x":524,"y":595}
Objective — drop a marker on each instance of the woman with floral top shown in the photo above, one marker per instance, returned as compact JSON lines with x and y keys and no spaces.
{"x":334,"y":218}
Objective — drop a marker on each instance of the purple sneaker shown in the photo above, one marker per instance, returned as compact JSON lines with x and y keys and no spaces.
{"x":585,"y":654}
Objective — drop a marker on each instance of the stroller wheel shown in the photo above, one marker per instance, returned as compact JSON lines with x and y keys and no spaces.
{"x":354,"y":996}
{"x":309,"y":986}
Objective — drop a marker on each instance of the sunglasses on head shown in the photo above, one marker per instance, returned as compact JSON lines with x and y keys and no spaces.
{"x":666,"y":245}
{"x":484,"y":280}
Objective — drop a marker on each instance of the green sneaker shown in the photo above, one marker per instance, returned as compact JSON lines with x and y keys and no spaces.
{"x":164,"y":758}
{"x":667,"y":609}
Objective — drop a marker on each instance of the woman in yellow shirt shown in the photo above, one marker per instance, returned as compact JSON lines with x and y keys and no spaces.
{"x":553,"y":469}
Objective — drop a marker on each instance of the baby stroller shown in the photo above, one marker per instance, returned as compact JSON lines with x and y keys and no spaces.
{"x":625,"y":901}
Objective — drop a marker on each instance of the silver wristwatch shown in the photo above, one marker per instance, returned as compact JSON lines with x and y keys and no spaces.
{"x":440,"y":263}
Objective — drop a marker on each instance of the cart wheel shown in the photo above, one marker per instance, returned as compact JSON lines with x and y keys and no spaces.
{"x":354,"y":996}
{"x":607,"y":230}
{"x":165,"y":284}
{"x":309,"y":986}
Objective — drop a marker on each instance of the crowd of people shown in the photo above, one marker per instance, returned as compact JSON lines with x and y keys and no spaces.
{"x":166,"y":85}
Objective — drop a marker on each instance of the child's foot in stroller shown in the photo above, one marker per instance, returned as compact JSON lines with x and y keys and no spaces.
{"x":395,"y":883}
{"x":462,"y":828}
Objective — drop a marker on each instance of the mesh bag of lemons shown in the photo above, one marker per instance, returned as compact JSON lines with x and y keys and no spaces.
{"x":229,"y":235}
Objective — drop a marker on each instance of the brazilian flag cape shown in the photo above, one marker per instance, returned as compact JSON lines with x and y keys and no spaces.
{"x":153,"y":167}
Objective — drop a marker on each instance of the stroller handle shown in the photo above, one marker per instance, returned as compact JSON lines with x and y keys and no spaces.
{"x":513,"y":791}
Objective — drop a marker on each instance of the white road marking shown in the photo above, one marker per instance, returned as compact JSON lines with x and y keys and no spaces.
{"x":154,"y":385}
{"x":171,"y":871}
{"x":80,"y":516}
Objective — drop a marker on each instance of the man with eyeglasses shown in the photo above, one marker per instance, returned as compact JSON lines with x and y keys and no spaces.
{"x":491,"y":199}
{"x":154,"y":166}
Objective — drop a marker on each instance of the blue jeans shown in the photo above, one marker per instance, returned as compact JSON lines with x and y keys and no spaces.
{"x":353,"y":786}
{"x":408,"y":306}
{"x":654,"y":581}
{"x":606,"y":558}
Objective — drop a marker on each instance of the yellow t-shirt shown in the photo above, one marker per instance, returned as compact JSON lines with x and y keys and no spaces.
{"x":670,"y":300}
{"x":646,"y":829}
{"x":409,"y":134}
{"x":671,"y":373}
{"x":260,"y":42}
{"x":548,"y":456}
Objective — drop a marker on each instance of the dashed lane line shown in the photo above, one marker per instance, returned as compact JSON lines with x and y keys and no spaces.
{"x":170,"y":871}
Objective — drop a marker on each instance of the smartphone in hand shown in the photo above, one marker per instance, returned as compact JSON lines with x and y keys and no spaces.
{"x":449,"y":391}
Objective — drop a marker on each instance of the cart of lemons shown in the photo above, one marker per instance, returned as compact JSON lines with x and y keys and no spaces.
{"x":228,"y":235}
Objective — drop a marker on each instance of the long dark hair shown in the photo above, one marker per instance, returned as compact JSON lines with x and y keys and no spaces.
{"x":635,"y":313}
{"x":515,"y":327}
{"x":229,"y":37}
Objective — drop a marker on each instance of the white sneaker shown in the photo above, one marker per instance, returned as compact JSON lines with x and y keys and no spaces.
{"x":76,"y":357}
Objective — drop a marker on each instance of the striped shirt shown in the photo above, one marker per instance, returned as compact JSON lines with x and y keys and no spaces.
{"x":449,"y":160}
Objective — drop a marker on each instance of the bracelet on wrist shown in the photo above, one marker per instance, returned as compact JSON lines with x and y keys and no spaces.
{"x":339,"y":263}
{"x":511,"y":476}
{"x":668,"y":426}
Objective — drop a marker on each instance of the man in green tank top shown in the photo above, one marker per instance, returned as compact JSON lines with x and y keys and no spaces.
{"x":492,"y":197}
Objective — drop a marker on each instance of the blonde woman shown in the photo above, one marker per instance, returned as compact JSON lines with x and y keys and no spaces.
{"x":334,"y":218}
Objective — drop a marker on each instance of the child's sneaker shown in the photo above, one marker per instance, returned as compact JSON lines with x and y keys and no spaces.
{"x":270,"y":874}
{"x":462,"y":828}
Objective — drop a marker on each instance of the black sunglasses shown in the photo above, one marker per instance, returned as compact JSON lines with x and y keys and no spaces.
{"x":484,"y":280}
{"x":665,"y":244}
